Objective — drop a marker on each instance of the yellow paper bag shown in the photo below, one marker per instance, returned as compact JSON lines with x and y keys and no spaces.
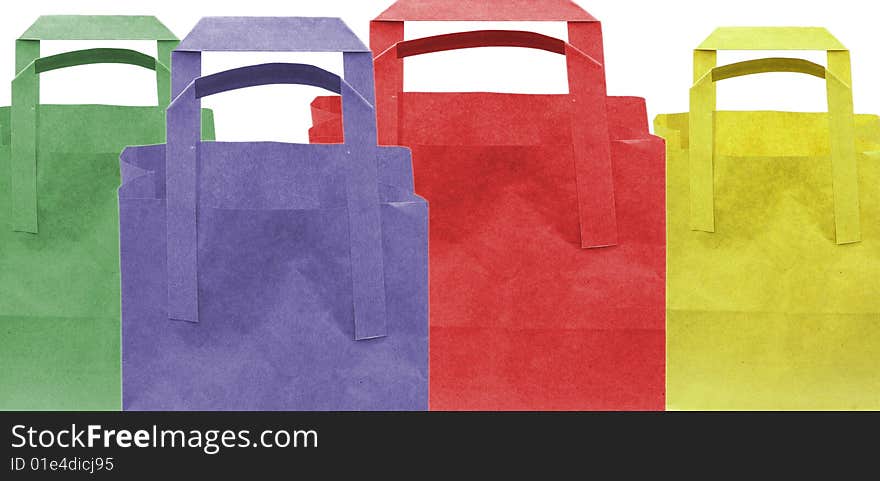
{"x":773,"y":225}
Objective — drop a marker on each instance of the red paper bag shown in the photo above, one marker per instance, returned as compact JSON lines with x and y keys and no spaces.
{"x":547,"y":220}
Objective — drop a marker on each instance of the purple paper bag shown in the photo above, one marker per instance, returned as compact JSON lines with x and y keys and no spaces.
{"x":266,"y":275}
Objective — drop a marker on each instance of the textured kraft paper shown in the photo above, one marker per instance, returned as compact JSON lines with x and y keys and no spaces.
{"x":772,"y":261}
{"x":296,"y":275}
{"x":547,"y":220}
{"x":59,"y":311}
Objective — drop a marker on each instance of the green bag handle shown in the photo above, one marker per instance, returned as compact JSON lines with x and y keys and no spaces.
{"x":94,"y":27}
{"x":838,"y":76}
{"x":25,"y":98}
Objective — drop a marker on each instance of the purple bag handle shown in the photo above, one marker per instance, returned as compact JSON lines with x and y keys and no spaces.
{"x":362,"y":188}
{"x":273,"y":34}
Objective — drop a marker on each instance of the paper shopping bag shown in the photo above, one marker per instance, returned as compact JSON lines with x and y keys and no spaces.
{"x":273,"y":276}
{"x":59,"y":307}
{"x":547,"y":220}
{"x":773,"y":240}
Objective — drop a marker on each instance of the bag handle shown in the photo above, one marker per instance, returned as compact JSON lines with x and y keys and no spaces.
{"x":273,"y":34}
{"x":584,"y":31}
{"x":25,"y":98}
{"x":589,"y":116}
{"x":477,"y":39}
{"x":840,"y":103}
{"x":99,"y":27}
{"x":362,"y":188}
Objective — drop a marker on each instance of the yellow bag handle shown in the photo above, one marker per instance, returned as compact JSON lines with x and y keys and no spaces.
{"x":838,"y":76}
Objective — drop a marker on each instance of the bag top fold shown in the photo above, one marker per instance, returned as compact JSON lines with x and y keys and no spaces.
{"x":771,"y":38}
{"x":271,"y":34}
{"x":485,"y":10}
{"x":97,"y":27}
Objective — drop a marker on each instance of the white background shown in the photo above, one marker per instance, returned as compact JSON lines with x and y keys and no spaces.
{"x":648,"y":53}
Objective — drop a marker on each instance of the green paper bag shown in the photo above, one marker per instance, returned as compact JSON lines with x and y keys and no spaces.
{"x":59,"y":256}
{"x":773,"y":231}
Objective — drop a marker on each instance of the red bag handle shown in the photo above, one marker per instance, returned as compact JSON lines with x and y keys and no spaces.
{"x":483,"y":38}
{"x":584,"y":31}
{"x":589,"y":119}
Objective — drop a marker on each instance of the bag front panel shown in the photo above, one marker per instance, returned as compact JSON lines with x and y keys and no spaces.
{"x":60,"y":307}
{"x":774,"y":219}
{"x":276,"y":328}
{"x":535,"y":321}
{"x":769,"y":312}
{"x":71,"y":267}
{"x":522,"y":317}
{"x":505,"y":237}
